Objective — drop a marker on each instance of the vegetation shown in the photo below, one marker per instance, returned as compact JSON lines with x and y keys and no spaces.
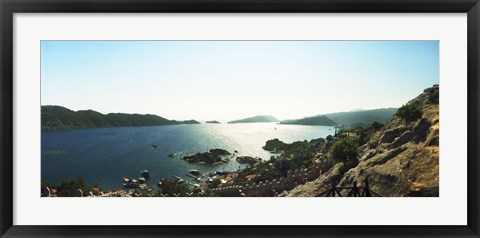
{"x":409,"y":112}
{"x":261,"y":118}
{"x":297,"y":155}
{"x":66,"y":188}
{"x":345,"y":150}
{"x":363,"y":117}
{"x":214,"y":156}
{"x":60,"y":118}
{"x":351,"y":119}
{"x":311,"y":121}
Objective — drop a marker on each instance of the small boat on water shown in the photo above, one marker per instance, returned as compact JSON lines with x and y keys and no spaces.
{"x":171,"y":155}
{"x":194,"y":172}
{"x":153,"y":146}
{"x":130,"y":183}
{"x":162,"y":182}
{"x":145,"y":174}
{"x":141,"y":180}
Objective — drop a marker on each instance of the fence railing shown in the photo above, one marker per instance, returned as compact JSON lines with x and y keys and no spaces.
{"x":354,"y":191}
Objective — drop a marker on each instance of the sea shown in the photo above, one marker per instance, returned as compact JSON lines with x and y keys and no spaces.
{"x":104,"y":156}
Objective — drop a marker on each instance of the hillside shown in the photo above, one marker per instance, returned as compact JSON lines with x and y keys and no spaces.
{"x":311,"y":121}
{"x":61,"y":118}
{"x":261,"y":118}
{"x":400,"y":159}
{"x":352,"y":118}
{"x":362,"y":117}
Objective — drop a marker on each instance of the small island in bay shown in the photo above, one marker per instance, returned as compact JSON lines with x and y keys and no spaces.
{"x":213,"y":122}
{"x":255,"y":119}
{"x":213,"y":156}
{"x":248,"y":160}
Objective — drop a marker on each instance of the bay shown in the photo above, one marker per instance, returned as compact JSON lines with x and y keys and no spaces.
{"x":103,"y":156}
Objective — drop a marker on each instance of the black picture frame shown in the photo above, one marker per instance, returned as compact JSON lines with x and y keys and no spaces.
{"x":9,"y":7}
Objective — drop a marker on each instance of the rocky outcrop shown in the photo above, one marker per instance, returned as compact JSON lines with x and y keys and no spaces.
{"x":274,"y":145}
{"x":214,"y":156}
{"x":317,"y":186}
{"x":402,"y":159}
{"x":247,"y":160}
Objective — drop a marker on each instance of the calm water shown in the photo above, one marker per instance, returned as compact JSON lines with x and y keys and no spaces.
{"x":104,"y":156}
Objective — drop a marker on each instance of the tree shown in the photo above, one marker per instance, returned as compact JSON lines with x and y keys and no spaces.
{"x":345,"y":150}
{"x":377,"y":125}
{"x":409,"y":112}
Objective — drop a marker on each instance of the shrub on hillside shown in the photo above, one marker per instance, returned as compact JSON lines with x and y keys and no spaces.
{"x":345,"y":150}
{"x":409,"y":112}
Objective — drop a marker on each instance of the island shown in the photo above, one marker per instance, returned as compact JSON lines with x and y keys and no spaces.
{"x":248,"y":160}
{"x":213,"y":122}
{"x":212,"y":157}
{"x":259,"y":118}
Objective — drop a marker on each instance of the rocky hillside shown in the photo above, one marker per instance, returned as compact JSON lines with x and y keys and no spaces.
{"x":401,"y":159}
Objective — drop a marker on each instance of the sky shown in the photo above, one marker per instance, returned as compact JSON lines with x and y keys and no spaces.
{"x":228,"y":80}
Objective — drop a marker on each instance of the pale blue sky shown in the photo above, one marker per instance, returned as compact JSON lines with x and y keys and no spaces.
{"x":226,"y":80}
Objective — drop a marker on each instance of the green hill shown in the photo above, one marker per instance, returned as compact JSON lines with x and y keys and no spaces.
{"x":352,"y":118}
{"x":260,"y":118}
{"x":311,"y":121}
{"x":363,"y":117}
{"x":61,"y":118}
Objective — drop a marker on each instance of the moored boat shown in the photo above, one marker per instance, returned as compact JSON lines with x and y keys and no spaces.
{"x":145,"y":174}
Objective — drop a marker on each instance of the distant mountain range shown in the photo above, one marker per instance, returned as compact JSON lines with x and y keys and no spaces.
{"x":352,"y":118}
{"x":260,"y":118}
{"x":61,"y":118}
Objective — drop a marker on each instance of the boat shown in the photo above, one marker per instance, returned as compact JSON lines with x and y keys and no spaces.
{"x":162,"y":182}
{"x":194,"y":172}
{"x":145,"y":174}
{"x":191,"y":176}
{"x":153,"y":146}
{"x":130,"y":183}
{"x":141,"y":180}
{"x":171,"y":155}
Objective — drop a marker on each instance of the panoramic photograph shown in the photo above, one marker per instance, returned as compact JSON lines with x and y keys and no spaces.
{"x":239,"y":119}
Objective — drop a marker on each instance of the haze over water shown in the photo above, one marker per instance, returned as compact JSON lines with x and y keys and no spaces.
{"x":103,"y":156}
